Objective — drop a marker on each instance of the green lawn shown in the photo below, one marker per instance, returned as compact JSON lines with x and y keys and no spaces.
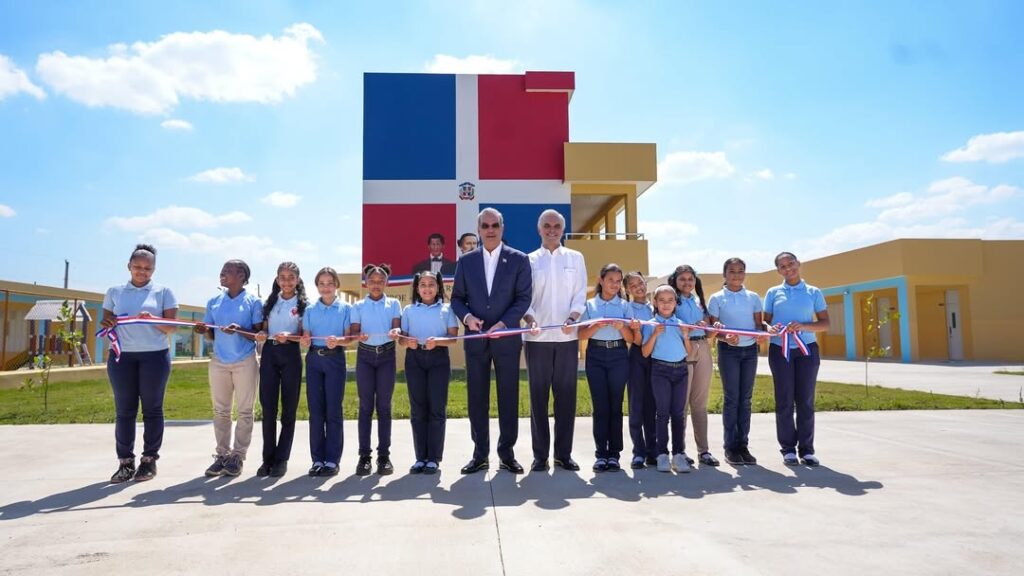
{"x":1011,"y":372}
{"x":188,"y":398}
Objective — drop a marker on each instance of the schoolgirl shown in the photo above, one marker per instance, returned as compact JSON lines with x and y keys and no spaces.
{"x":607,"y":364}
{"x":736,"y":307}
{"x":426,"y":325}
{"x":800,"y":307}
{"x":690,"y":309}
{"x":641,"y":399}
{"x":328,"y":320}
{"x":281,"y":367}
{"x":233,"y":369}
{"x":373,"y":318}
{"x":144,"y":366}
{"x":668,"y":346}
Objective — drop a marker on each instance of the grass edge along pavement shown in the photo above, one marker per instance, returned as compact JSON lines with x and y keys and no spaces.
{"x":188,"y":398}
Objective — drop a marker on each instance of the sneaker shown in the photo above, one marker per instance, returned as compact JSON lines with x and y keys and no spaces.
{"x":217,"y":468}
{"x":264,"y":470}
{"x":600,"y":465}
{"x":637,"y":463}
{"x":125,"y":471}
{"x":384,"y":467}
{"x":664,"y":464}
{"x":431,"y":468}
{"x":613,"y":465}
{"x":681,"y":464}
{"x":790,"y":459}
{"x":748,"y":458}
{"x":233,"y":465}
{"x":364,"y":466}
{"x":279,"y":469}
{"x":316,"y":468}
{"x":417,"y":467}
{"x":706,"y":459}
{"x":810,"y":460}
{"x":690,"y":461}
{"x":651,"y":461}
{"x":147,"y":469}
{"x":734,"y":457}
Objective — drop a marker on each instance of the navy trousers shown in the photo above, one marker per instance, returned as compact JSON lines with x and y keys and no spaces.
{"x":641,"y":405}
{"x":607,"y":372}
{"x":325,"y":391}
{"x":670,"y":392}
{"x":552,"y":367}
{"x":738,"y":366}
{"x":280,"y":381}
{"x":427,"y":373}
{"x":139,"y":376}
{"x":794,"y":388}
{"x":375,"y":382}
{"x":503,"y":354}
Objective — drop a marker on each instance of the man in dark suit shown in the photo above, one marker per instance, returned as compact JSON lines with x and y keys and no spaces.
{"x":436,"y":262}
{"x":493,"y":289}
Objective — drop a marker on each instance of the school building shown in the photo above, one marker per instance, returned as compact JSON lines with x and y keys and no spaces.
{"x":953,"y":299}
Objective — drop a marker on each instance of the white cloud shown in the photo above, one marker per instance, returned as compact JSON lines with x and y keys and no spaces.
{"x":765,"y":174}
{"x":6,"y":211}
{"x":176,"y":125}
{"x":673,"y":242}
{"x":474,"y":64}
{"x":992,"y":148}
{"x":686,"y":167}
{"x":217,"y":66}
{"x":789,"y":176}
{"x":900,"y":199}
{"x":351,"y":257}
{"x":14,"y":80}
{"x":221,"y":176}
{"x":177,"y":216}
{"x":281,"y":199}
{"x":945,"y":198}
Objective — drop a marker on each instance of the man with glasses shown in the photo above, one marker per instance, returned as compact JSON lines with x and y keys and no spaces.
{"x":493,"y":288}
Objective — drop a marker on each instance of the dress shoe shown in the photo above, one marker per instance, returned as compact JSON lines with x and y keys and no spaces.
{"x":539,"y":465}
{"x":264,"y":470}
{"x":567,"y":464}
{"x":417,"y":467}
{"x":315,"y":469}
{"x":475,"y":466}
{"x":637,"y":463}
{"x":512,"y":466}
{"x":431,"y":467}
{"x":329,"y":470}
{"x":364,"y":466}
{"x":600,"y":465}
{"x":279,"y":469}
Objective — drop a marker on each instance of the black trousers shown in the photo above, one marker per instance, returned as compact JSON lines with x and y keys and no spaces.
{"x":427,"y":373}
{"x":503,"y":354}
{"x":280,"y":380}
{"x":552,"y":367}
{"x":139,"y":376}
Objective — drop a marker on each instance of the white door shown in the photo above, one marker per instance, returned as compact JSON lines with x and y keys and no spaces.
{"x":885,"y":331}
{"x":954,"y":329}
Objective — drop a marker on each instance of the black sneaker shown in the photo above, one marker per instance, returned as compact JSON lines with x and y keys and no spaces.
{"x":329,"y":470}
{"x":217,"y":468}
{"x":748,"y":458}
{"x":264,"y":470}
{"x":734,"y":457}
{"x":637,"y":463}
{"x":384,"y":467}
{"x":233,"y":465}
{"x":651,"y":461}
{"x":125,"y":471}
{"x":147,"y":469}
{"x":279,"y":469}
{"x":364,"y":467}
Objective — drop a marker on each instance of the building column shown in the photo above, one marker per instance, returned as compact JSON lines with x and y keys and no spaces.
{"x":903,"y":303}
{"x":851,"y":325}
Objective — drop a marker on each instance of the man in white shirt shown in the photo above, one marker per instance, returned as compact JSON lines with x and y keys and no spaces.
{"x":552,"y":356}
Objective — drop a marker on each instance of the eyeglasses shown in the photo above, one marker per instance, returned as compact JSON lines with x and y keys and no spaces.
{"x":486,"y":226}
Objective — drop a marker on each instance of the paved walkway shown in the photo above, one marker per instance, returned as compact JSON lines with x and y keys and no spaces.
{"x":899,"y":493}
{"x":956,"y":378}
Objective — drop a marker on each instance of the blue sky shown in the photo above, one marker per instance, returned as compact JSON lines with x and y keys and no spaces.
{"x":235,"y":130}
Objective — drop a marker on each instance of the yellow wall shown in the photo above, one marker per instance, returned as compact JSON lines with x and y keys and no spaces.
{"x":610,"y":162}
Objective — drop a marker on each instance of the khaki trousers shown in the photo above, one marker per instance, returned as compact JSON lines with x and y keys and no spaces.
{"x":699,"y":388}
{"x":238,"y":381}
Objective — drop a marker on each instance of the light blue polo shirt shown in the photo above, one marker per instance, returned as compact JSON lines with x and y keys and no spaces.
{"x":422,"y":321}
{"x":669,"y":346}
{"x":736,"y":310}
{"x":641,"y":311}
{"x":794,"y":304}
{"x":246,"y":310}
{"x":598,"y":307}
{"x":689,"y":311}
{"x":129,"y":300}
{"x":284,"y":316}
{"x":323,"y":320}
{"x":374,"y":317}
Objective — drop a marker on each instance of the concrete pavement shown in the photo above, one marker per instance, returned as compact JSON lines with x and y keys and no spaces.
{"x":899,"y":493}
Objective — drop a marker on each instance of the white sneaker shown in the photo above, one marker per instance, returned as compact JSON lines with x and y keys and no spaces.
{"x":810,"y":460}
{"x":680,"y":464}
{"x":664,"y":465}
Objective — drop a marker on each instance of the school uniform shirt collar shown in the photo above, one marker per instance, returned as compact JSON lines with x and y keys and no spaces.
{"x":147,"y":286}
{"x":336,"y":304}
{"x":615,"y":300}
{"x":421,"y":304}
{"x":801,"y":285}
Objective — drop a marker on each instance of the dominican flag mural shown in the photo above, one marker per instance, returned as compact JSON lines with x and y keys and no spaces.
{"x":438,"y":148}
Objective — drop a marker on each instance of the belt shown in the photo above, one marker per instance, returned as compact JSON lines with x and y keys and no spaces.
{"x":695,"y":338}
{"x":724,"y":343}
{"x":670,"y":364}
{"x":273,"y":342}
{"x":377,"y":349}
{"x":607,"y":343}
{"x":324,"y":351}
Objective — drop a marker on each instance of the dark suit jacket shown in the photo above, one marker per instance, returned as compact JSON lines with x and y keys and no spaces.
{"x":447,"y":266}
{"x":511,"y":291}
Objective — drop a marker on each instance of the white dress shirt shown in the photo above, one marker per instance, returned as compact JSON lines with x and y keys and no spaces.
{"x":559,"y":289}
{"x":491,"y":264}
